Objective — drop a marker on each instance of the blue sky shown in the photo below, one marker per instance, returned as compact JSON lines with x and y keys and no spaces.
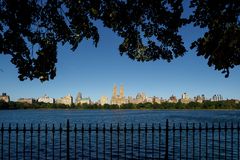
{"x":93,"y":72}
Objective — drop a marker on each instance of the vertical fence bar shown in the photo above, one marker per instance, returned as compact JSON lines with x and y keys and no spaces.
{"x":180,"y":134}
{"x":60,"y":139}
{"x":46,"y":141}
{"x":152,"y":141}
{"x":219,"y":140}
{"x":174,"y":134}
{"x":159,"y":141}
{"x":206,"y":149}
{"x":132,"y":139}
{"x":111,"y":141}
{"x":213,"y":141}
{"x":225,"y":140}
{"x":89,"y":141}
{"x":146,"y":141}
{"x":2,"y":131}
{"x":68,"y":140}
{"x":17,"y":141}
{"x":200,"y":141}
{"x":193,"y":141}
{"x":125,"y":141}
{"x":139,"y":140}
{"x":238,"y":128}
{"x":53,"y":141}
{"x":104,"y":140}
{"x":31,"y":147}
{"x":24,"y":141}
{"x":75,"y":141}
{"x":232,"y":141}
{"x":166,"y":147}
{"x":82,"y":141}
{"x":96,"y":141}
{"x":39,"y":141}
{"x":187,"y":140}
{"x":118,"y":139}
{"x":9,"y":141}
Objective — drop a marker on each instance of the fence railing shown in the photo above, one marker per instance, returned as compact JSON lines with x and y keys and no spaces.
{"x":120,"y":141}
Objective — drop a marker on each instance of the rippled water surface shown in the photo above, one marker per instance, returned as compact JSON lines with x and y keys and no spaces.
{"x":93,"y":137}
{"x":118,"y":116}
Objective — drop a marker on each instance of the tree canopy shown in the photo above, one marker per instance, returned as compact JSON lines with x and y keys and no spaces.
{"x":30,"y":30}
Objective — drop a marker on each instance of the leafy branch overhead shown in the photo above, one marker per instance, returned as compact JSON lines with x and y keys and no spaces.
{"x":31,"y":30}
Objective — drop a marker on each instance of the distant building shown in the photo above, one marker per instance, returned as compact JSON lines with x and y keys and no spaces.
{"x":118,"y":99}
{"x":185,"y":98}
{"x":199,"y":99}
{"x":4,"y":97}
{"x":157,"y":100}
{"x":103,"y":100}
{"x":85,"y":101}
{"x":217,"y":97}
{"x":172,"y":99}
{"x":237,"y":101}
{"x":233,"y":100}
{"x":130,"y":99}
{"x":67,"y":100}
{"x":78,"y":98}
{"x":149,"y":99}
{"x":46,"y":99}
{"x":141,"y":98}
{"x":26,"y":100}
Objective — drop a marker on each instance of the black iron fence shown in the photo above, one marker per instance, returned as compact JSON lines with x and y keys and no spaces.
{"x":120,"y":141}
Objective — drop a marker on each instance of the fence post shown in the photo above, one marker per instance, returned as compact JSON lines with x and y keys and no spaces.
{"x":9,"y":141}
{"x":2,"y":131}
{"x":68,"y":130}
{"x":166,"y":147}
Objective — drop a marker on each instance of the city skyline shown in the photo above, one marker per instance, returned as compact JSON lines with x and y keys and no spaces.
{"x":118,"y":97}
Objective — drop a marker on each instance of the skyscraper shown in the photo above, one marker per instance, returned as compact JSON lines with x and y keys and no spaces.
{"x":121,"y":91}
{"x":103,"y":100}
{"x":185,"y":98}
{"x":115,"y":91}
{"x":78,"y":98}
{"x":118,"y":99}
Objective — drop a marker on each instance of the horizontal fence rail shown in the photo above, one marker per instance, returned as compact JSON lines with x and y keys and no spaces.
{"x":120,"y":141}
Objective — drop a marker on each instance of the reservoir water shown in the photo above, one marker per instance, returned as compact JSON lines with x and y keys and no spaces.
{"x":118,"y":116}
{"x":144,"y":137}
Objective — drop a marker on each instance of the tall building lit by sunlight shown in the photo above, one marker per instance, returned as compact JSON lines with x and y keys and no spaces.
{"x":118,"y":99}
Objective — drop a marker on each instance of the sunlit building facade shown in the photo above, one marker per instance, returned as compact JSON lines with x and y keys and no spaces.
{"x":67,"y":100}
{"x":118,"y":99}
{"x":26,"y":100}
{"x":185,"y":98}
{"x":46,"y":99}
{"x":103,"y":100}
{"x":172,"y":99}
{"x":4,"y":97}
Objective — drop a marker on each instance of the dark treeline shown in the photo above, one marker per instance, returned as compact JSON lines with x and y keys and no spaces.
{"x":228,"y":104}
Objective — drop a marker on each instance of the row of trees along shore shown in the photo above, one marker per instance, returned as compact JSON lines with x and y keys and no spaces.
{"x":228,"y":104}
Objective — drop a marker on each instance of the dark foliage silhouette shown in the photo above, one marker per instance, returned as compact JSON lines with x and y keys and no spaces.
{"x":30,"y":30}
